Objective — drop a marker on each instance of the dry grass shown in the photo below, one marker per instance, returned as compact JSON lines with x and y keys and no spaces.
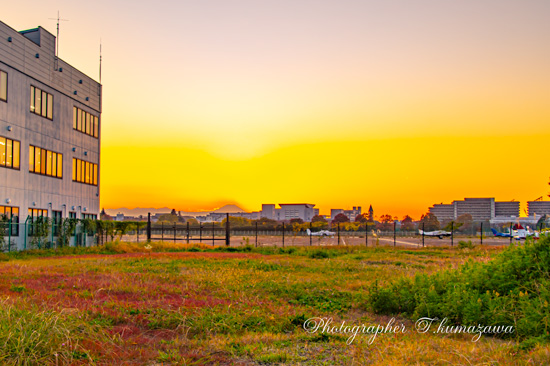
{"x":167,"y":306}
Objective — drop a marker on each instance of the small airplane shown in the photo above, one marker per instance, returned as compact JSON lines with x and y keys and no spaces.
{"x":321,"y":233}
{"x":500,"y":235}
{"x":519,"y":233}
{"x":439,"y":233}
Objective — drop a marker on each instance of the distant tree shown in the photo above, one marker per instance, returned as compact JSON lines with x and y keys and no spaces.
{"x":364,"y":217}
{"x":407,"y":223}
{"x":386,"y":222}
{"x":340,"y":218}
{"x":452,"y":225}
{"x":430,"y":222}
{"x":296,"y":221}
{"x":173,"y":212}
{"x":168,"y":218}
{"x":465,"y":223}
{"x":236,"y":221}
{"x":192,"y":221}
{"x":318,"y":218}
{"x":264,"y":221}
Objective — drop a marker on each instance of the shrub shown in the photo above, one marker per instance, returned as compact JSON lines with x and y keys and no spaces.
{"x":465,"y":244}
{"x":511,"y":290}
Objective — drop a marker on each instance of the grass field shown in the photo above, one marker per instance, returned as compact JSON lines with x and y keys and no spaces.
{"x":126,"y":304}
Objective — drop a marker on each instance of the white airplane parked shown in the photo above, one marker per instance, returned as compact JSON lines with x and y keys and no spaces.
{"x":321,"y":233}
{"x":439,"y":233}
{"x":519,"y":233}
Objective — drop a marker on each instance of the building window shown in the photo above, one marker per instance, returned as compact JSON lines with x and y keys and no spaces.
{"x":35,"y":215}
{"x":7,"y":212}
{"x":41,"y":103}
{"x":89,"y":216}
{"x":72,"y":215}
{"x":84,"y":172}
{"x":56,"y":222}
{"x":85,"y":122}
{"x":45,"y":162}
{"x":10,"y":153}
{"x":3,"y":86}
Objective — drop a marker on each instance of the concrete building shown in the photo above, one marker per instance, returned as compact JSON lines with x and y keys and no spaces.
{"x":351,"y":214}
{"x":50,"y":116}
{"x":507,"y":209}
{"x":481,"y":209}
{"x":538,"y":208}
{"x":443,"y":212}
{"x":289,"y":211}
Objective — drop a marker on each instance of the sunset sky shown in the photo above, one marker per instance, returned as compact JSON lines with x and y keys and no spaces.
{"x":398,"y":104}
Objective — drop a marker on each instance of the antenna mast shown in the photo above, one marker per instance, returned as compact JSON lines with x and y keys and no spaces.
{"x":57,"y":40}
{"x":100,"y":60}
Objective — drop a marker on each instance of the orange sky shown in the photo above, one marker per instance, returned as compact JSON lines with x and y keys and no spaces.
{"x":395,"y":104}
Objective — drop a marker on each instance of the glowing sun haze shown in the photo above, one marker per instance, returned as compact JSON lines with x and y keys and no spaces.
{"x":397,"y":104}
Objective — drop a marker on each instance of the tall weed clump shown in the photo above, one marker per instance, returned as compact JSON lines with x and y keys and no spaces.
{"x":513,"y":289}
{"x":30,"y":336}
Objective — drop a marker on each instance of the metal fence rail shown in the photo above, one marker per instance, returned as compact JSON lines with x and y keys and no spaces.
{"x":39,"y":233}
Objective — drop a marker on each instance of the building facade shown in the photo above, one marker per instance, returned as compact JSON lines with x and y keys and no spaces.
{"x":538,"y":208}
{"x":50,"y":129}
{"x":350,"y":214}
{"x":289,"y":211}
{"x":481,"y":209}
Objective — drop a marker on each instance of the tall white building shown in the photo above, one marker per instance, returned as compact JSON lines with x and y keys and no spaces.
{"x":289,"y":211}
{"x":50,"y":124}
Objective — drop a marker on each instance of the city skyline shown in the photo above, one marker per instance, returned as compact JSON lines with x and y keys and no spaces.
{"x":396,"y":105}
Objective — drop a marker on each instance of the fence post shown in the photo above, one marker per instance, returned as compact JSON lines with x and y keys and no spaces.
{"x":213,"y":229}
{"x":283,"y":234}
{"x":187,"y":232}
{"x":162,"y":231}
{"x":175,"y":226}
{"x":367,"y":234}
{"x":452,"y":232}
{"x":422,"y":235}
{"x":200,"y":232}
{"x":137,"y":231}
{"x":227,"y":230}
{"x":9,"y":234}
{"x":148,"y":227}
{"x":394,"y":229}
{"x":256,"y":234}
{"x":310,"y":227}
{"x":481,"y":233}
{"x":338,"y":233}
{"x":53,"y":228}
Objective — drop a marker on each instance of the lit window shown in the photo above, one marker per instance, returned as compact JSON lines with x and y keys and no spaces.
{"x":45,"y":162}
{"x":41,"y":102}
{"x":84,"y":172}
{"x":11,"y":213}
{"x":85,"y":122}
{"x":3,"y":86}
{"x":9,"y":153}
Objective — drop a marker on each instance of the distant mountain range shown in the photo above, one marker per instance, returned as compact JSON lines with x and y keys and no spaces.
{"x":143,"y":211}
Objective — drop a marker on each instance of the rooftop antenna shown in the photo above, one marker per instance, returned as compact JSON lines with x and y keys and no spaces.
{"x":57,"y":39}
{"x":100,"y":60}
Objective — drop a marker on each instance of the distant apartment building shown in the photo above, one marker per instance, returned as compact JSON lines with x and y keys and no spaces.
{"x":481,"y":209}
{"x":50,"y":123}
{"x":289,"y":211}
{"x":351,"y":214}
{"x":443,"y":212}
{"x":538,"y":208}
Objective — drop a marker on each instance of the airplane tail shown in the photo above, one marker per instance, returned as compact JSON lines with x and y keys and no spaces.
{"x":308,"y":232}
{"x":494,"y":231}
